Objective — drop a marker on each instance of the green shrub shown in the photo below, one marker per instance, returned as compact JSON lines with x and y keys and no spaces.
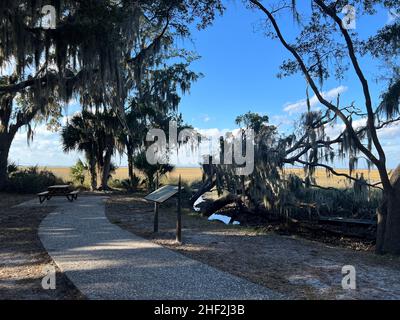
{"x":78,"y":172}
{"x":132,"y":185}
{"x":127,"y":184}
{"x":150,"y":171}
{"x":116,"y":183}
{"x":11,"y":168}
{"x":31,"y":180}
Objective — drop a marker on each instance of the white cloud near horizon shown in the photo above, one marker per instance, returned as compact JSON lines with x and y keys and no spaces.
{"x":46,"y":150}
{"x":301,"y":105}
{"x":390,"y":132}
{"x":187,"y":156}
{"x":388,"y":137}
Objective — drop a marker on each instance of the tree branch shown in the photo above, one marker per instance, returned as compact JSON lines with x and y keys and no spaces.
{"x":334,"y":172}
{"x":379,"y":164}
{"x":153,"y":44}
{"x":368,"y":101}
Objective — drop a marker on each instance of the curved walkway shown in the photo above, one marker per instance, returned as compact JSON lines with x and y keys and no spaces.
{"x":106,"y":262}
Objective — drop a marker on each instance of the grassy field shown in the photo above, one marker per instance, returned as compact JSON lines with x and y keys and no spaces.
{"x":325,"y":180}
{"x":190,"y":175}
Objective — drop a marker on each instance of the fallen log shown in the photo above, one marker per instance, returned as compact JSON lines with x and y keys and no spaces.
{"x":206,"y":187}
{"x":207,"y":208}
{"x":338,"y":230}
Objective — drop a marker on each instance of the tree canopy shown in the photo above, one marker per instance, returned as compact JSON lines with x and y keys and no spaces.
{"x":99,"y":52}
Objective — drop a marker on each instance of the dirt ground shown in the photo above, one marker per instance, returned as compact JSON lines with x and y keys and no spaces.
{"x":22,"y":256}
{"x":297,"y":267}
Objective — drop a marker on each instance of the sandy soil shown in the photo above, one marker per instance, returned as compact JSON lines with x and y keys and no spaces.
{"x":296,"y":267}
{"x":22,"y":256}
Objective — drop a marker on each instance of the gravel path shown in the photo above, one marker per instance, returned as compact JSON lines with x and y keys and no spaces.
{"x":106,"y":262}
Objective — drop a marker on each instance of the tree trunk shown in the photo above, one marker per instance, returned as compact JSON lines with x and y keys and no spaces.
{"x":210,"y":207}
{"x":392,"y":230}
{"x":206,"y":187}
{"x":106,"y":171}
{"x":381,"y":213}
{"x":5,"y":144}
{"x":388,"y":233}
{"x":93,"y":173}
{"x":130,"y":167}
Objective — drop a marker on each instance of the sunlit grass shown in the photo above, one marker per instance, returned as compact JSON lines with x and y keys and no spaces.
{"x":191,"y":175}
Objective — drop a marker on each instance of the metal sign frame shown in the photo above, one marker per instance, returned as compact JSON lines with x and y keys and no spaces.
{"x":161,"y":195}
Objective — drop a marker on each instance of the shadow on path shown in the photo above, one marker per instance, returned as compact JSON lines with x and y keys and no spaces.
{"x":106,"y":262}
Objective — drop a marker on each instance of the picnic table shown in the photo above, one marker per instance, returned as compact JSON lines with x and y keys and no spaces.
{"x":58,"y":191}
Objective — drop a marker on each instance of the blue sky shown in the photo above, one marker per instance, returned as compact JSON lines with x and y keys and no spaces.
{"x":239,"y":64}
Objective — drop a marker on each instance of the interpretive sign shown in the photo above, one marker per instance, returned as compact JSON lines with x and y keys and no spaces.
{"x":163,"y":194}
{"x":160,"y":196}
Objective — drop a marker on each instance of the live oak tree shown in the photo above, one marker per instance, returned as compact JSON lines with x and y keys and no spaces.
{"x":87,"y":53}
{"x":53,"y":64}
{"x":18,"y":111}
{"x":265,"y":189}
{"x":323,"y":49}
{"x":156,"y":101}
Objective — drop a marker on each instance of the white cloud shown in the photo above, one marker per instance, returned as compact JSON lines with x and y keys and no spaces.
{"x":301,"y":105}
{"x":188,"y":155}
{"x":391,"y":132}
{"x":212,"y":132}
{"x":336,"y":129}
{"x":44,"y":150}
{"x":388,"y":136}
{"x":281,"y":120}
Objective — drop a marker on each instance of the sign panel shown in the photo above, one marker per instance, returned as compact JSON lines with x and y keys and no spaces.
{"x":163,"y":194}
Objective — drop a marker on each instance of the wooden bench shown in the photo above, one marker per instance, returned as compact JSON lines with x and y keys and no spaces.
{"x":44,"y":196}
{"x":47,"y":195}
{"x":73,"y":195}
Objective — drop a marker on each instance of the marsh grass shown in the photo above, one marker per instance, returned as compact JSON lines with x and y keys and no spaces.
{"x":193,"y":175}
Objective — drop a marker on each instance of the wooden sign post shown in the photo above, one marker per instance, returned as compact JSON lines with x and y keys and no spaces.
{"x":155,"y":229}
{"x":155,"y":217}
{"x":179,"y":213}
